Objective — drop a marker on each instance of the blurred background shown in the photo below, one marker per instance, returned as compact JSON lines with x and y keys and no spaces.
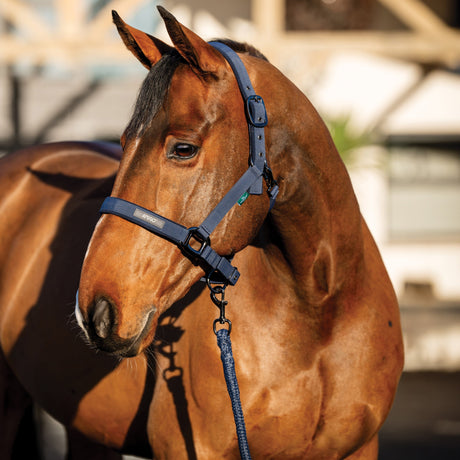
{"x":384,"y":75}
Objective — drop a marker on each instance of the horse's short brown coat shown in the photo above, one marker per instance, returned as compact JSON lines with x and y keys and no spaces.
{"x":316,"y":332}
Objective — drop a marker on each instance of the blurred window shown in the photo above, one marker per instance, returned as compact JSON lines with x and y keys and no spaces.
{"x":424,"y":198}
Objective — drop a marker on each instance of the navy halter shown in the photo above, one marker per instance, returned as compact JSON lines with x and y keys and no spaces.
{"x":249,"y":183}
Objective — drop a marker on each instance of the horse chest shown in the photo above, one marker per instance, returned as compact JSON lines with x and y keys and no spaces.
{"x":191,"y":411}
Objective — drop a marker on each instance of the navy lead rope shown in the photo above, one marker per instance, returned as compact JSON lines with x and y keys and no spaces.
{"x":217,"y":291}
{"x":226,"y":355}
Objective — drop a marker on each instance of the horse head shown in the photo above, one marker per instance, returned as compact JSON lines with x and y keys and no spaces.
{"x":185,"y":147}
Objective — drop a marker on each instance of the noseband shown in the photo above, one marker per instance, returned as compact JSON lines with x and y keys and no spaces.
{"x":249,"y":183}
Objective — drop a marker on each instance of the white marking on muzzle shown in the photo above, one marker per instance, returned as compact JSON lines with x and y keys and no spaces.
{"x":90,"y":241}
{"x":79,"y":316}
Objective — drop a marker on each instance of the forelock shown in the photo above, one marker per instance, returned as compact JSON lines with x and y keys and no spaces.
{"x":152,"y":94}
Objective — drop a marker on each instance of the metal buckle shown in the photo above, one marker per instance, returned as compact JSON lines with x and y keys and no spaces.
{"x":216,"y":291}
{"x":256,"y":112}
{"x":193,"y":233}
{"x":269,"y":179}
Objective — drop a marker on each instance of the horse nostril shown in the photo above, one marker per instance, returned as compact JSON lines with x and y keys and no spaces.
{"x":102,"y":318}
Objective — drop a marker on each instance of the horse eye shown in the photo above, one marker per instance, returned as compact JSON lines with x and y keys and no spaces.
{"x":184,"y":151}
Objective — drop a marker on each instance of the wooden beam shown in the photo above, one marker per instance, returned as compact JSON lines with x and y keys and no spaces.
{"x":25,"y":19}
{"x":403,"y":45}
{"x":431,"y":42}
{"x":268,"y":16}
{"x":417,"y":16}
{"x":59,"y":52}
{"x":70,"y":18}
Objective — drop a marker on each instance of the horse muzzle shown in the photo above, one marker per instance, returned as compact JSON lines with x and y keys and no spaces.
{"x":100,"y":327}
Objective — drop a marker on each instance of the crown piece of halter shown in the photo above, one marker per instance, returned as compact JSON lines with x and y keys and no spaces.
{"x":250,"y":182}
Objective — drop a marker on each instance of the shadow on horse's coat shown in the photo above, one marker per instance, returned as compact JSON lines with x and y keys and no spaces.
{"x":50,"y":200}
{"x":49,"y":203}
{"x":316,"y":329}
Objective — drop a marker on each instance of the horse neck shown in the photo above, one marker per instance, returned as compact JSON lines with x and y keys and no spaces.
{"x":317,"y":216}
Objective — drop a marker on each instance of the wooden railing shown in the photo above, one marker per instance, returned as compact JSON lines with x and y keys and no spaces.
{"x":75,"y":39}
{"x":72,"y":40}
{"x":428,"y":39}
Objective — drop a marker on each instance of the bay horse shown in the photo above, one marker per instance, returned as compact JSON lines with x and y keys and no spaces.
{"x":49,"y":198}
{"x":316,"y":331}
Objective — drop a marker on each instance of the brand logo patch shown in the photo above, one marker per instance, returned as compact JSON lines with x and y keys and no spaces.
{"x":159,"y":223}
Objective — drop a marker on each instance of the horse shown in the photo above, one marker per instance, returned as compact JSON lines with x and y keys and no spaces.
{"x":49,"y":198}
{"x":316,"y":330}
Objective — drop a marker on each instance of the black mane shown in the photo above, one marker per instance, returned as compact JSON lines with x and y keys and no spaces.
{"x":152,"y":94}
{"x":242,"y":48}
{"x":155,"y":86}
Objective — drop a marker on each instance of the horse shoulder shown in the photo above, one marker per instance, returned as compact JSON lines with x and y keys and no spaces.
{"x":362,"y":361}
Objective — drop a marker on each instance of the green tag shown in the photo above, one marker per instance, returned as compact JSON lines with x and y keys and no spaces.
{"x":243,"y":198}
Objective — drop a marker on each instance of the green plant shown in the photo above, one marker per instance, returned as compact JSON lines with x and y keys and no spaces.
{"x":345,"y":138}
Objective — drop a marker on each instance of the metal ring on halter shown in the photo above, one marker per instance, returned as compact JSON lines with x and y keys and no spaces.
{"x":222,"y":321}
{"x":219,"y":285}
{"x":187,"y":245}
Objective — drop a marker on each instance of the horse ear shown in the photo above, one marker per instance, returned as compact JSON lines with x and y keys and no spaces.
{"x":146,"y":48}
{"x":199,"y":54}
